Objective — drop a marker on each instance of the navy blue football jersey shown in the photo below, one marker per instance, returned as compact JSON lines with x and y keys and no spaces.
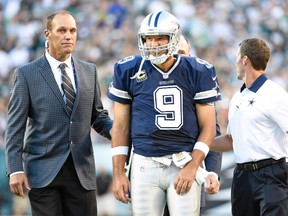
{"x":163,"y":115}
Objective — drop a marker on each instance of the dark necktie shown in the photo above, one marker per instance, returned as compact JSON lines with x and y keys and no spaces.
{"x":67,"y":87}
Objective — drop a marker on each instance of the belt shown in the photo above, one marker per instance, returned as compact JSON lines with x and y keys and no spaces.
{"x":251,"y":166}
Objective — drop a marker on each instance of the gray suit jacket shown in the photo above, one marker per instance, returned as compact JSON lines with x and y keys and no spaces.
{"x":40,"y":132}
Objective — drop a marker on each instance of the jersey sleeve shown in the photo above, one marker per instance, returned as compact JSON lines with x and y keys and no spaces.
{"x":207,"y":87}
{"x":120,"y":84}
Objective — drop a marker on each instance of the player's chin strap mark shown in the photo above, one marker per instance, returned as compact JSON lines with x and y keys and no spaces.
{"x":139,"y":71}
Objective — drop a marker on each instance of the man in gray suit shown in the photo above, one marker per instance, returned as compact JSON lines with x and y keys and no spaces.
{"x":49,"y":136}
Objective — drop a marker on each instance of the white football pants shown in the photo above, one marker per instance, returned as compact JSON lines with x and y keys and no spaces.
{"x":152,"y":184}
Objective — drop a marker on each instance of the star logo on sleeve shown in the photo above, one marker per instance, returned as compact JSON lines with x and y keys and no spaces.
{"x":216,"y":88}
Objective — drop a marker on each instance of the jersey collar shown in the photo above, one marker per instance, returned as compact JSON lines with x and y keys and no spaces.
{"x":166,"y":74}
{"x":256,"y":84}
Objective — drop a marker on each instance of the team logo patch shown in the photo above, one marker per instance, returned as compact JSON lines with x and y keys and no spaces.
{"x":141,"y":76}
{"x":126,"y":59}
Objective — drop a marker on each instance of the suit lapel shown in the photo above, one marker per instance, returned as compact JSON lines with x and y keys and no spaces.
{"x":80,"y":77}
{"x":47,"y":74}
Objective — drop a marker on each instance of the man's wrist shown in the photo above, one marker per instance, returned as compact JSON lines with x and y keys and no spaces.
{"x":14,"y":173}
{"x":215,"y":174}
{"x":202,"y":147}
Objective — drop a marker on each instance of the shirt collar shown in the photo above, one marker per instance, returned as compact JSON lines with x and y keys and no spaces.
{"x":256,"y":84}
{"x":54,"y":63}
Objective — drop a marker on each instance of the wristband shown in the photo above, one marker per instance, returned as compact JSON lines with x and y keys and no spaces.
{"x":202,"y":147}
{"x":119,"y":150}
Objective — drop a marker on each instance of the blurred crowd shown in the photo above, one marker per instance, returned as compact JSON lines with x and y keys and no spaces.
{"x":107,"y":32}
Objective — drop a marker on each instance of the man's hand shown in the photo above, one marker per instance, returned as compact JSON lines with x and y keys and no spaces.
{"x":121,"y":188}
{"x":16,"y":183}
{"x":185,"y":179}
{"x":212,"y":183}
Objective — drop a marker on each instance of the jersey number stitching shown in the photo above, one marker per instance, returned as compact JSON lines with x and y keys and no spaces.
{"x":168,"y":101}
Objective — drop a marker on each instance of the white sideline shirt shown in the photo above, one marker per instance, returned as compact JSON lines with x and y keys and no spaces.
{"x":258,"y":122}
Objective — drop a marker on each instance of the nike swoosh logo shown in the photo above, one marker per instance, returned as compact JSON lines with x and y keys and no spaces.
{"x":214,"y":78}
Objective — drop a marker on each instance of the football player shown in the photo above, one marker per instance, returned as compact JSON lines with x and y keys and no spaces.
{"x":167,"y":101}
{"x":213,"y":160}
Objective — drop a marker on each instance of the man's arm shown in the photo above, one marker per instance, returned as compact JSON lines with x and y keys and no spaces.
{"x":14,"y":135}
{"x":222,"y":143}
{"x":206,"y":122}
{"x":101,"y":121}
{"x":213,"y":165}
{"x":103,"y":124}
{"x":213,"y":159}
{"x":213,"y":162}
{"x":120,"y":141}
